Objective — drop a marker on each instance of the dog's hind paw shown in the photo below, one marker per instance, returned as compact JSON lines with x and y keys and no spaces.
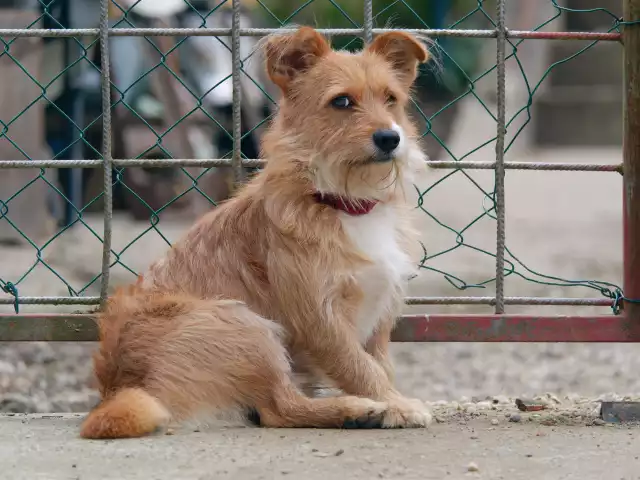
{"x":253,"y":417}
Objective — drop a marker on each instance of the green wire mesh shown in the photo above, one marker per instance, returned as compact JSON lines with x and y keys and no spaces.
{"x":454,"y":68}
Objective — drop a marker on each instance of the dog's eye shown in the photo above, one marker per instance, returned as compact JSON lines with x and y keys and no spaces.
{"x":342,"y":102}
{"x":391,"y":100}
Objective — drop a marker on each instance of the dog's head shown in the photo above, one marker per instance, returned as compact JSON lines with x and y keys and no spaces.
{"x":342,"y":114}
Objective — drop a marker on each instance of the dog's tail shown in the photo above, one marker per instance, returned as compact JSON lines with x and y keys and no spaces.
{"x":131,"y":412}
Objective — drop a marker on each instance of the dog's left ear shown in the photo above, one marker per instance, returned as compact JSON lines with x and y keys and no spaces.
{"x":403,"y":51}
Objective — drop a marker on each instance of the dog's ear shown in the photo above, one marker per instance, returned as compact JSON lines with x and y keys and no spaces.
{"x":403,"y":51}
{"x":290,"y":54}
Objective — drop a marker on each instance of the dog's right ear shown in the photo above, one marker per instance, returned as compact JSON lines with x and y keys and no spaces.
{"x":291,"y":54}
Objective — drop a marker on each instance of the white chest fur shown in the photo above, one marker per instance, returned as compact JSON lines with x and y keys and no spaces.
{"x":375,"y":235}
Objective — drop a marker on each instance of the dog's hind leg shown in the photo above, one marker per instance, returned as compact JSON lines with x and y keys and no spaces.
{"x":288,"y":407}
{"x":165,"y":357}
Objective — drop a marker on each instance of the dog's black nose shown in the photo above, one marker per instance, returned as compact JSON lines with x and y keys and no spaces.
{"x":386,"y":140}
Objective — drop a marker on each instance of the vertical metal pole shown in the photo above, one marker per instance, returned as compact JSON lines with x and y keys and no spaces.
{"x":499,"y":171}
{"x":107,"y":158}
{"x":631,"y":158}
{"x":236,"y":159}
{"x":368,"y":21}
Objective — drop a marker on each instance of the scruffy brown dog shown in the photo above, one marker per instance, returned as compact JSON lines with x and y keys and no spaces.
{"x":303,"y":271}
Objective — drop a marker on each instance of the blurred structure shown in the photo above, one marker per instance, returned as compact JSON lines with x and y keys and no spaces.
{"x":153,"y":91}
{"x":172,"y":96}
{"x":582,"y":101}
{"x":22,"y":134}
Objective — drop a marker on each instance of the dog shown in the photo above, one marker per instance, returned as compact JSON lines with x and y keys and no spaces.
{"x":303,"y":271}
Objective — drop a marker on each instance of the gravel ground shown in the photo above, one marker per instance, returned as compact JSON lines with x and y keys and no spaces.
{"x":568,"y":224}
{"x":462,"y":447}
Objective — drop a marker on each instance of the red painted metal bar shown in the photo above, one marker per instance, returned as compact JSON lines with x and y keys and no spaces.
{"x":515,"y":328}
{"x":410,"y":328}
{"x":631,"y":161}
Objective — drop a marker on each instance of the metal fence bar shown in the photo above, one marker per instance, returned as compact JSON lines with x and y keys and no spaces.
{"x":501,"y":46}
{"x":257,"y":162}
{"x":236,"y":157}
{"x":555,"y":301}
{"x":631,"y":159}
{"x":340,"y":32}
{"x":367,"y":25}
{"x":105,"y":79}
{"x":140,"y":162}
{"x":50,"y":300}
{"x":542,"y":301}
{"x":565,"y":166}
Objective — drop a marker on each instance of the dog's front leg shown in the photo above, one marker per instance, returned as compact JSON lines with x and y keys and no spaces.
{"x":378,"y":347}
{"x":336,"y":350}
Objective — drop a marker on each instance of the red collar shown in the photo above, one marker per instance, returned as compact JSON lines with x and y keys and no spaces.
{"x":347,"y":205}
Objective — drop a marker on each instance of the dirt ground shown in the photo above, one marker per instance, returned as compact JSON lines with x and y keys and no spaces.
{"x":47,"y":447}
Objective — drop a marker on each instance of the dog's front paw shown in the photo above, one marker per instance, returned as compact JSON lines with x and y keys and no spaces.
{"x":406,"y":413}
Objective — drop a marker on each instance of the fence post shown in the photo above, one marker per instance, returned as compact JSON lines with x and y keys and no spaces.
{"x":501,"y":38}
{"x":236,"y":59}
{"x":107,"y":158}
{"x":631,"y":159}
{"x":367,"y":25}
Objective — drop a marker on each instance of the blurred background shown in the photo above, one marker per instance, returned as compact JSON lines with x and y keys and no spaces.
{"x":171,"y":98}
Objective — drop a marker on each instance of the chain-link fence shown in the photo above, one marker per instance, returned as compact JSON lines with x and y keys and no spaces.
{"x":166,"y":102}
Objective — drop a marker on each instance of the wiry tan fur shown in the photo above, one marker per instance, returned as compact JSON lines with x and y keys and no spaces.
{"x":273,"y":282}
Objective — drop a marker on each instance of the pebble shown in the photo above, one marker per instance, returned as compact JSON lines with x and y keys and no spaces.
{"x":501,"y":400}
{"x":319,"y":454}
{"x":515,"y":418}
{"x":495,"y":421}
{"x":610,"y":397}
{"x":473,"y":467}
{"x":553,"y":398}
